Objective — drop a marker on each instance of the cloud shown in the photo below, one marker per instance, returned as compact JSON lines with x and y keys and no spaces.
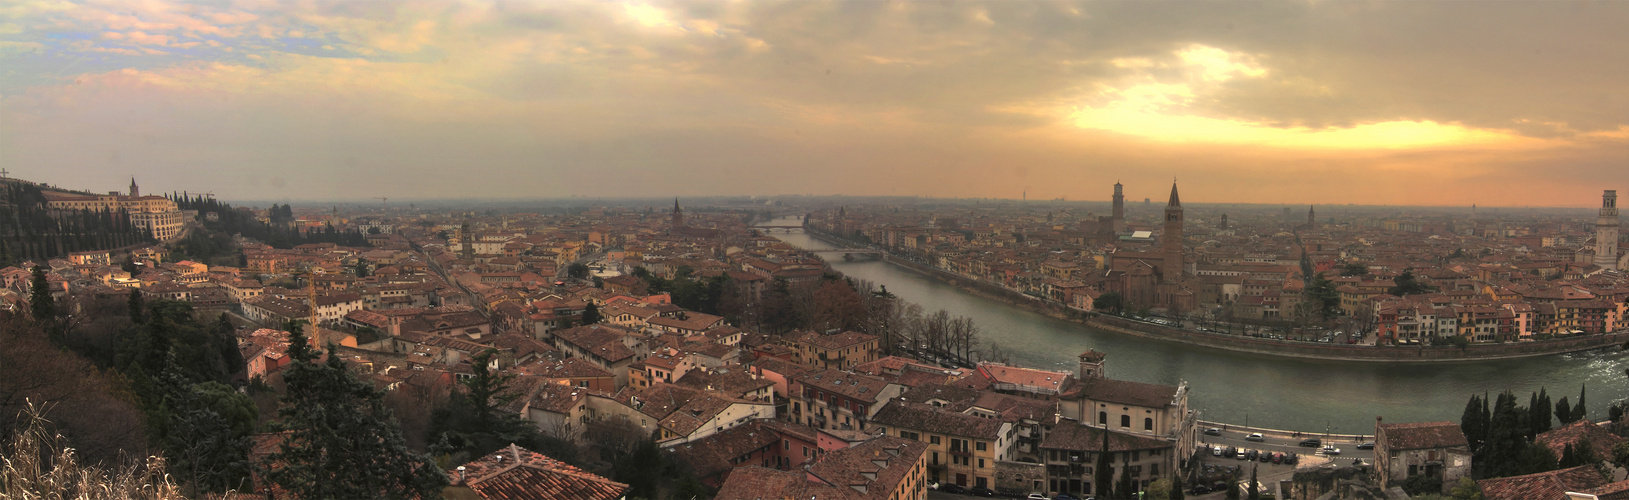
{"x":949,"y":98}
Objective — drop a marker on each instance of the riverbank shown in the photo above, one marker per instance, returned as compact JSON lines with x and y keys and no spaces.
{"x":1251,"y":345}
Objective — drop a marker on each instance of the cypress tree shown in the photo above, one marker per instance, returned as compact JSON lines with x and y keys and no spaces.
{"x":1105,"y":469}
{"x":136,"y":306}
{"x":1563,"y":411}
{"x":1579,"y":412}
{"x":340,"y":440}
{"x":1471,"y":422}
{"x":1254,"y":493}
{"x":40,"y":302}
{"x":1544,"y":411}
{"x":1127,"y":487}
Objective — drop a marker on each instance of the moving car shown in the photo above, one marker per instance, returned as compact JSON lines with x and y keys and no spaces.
{"x":1312,"y":443}
{"x":1330,"y":450}
{"x":1366,"y":446}
{"x":1257,"y":437}
{"x":1213,"y":432}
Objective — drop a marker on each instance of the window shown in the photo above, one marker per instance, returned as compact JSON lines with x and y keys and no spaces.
{"x":1148,"y":424}
{"x":980,"y":445}
{"x":1125,"y":421}
{"x":981,"y":463}
{"x":933,"y":439}
{"x":1102,"y":418}
{"x":786,"y":444}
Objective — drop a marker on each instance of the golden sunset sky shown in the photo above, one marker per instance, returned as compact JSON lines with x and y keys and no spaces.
{"x":1422,"y":103}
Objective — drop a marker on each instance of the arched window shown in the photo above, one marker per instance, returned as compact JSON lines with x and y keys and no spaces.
{"x":1148,"y":424}
{"x":1125,"y":421}
{"x":1102,"y":418}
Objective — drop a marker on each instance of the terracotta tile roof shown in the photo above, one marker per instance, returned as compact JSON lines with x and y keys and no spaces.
{"x":514,"y":472}
{"x":733,"y":383}
{"x":869,"y":470}
{"x":1127,"y":392}
{"x":1613,"y":491}
{"x":851,"y":385}
{"x":758,"y":483}
{"x":1042,"y":379}
{"x":836,"y":340}
{"x":1600,"y":439}
{"x":876,"y":466}
{"x":1552,"y":485}
{"x":926,"y":418}
{"x":952,"y":394}
{"x":1073,"y":436}
{"x":716,"y":454}
{"x":574,"y":368}
{"x":556,"y":398}
{"x":679,"y":409}
{"x":1421,"y":435}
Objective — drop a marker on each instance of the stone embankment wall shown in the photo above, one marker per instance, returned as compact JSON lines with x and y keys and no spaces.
{"x":1270,"y":347}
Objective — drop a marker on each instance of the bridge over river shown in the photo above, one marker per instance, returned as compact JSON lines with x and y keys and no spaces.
{"x":1301,"y":395}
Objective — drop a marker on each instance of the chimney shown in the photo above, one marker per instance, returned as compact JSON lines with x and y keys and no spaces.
{"x":460,"y":474}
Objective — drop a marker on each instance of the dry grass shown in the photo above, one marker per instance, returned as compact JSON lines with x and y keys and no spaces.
{"x":38,"y":464}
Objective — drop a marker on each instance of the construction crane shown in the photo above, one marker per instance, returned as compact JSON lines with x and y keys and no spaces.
{"x":384,"y":200}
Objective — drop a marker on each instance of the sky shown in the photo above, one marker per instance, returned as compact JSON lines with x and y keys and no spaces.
{"x":1508,"y":103}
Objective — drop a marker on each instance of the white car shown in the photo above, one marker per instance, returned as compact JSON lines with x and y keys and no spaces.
{"x":1216,"y":451}
{"x":1257,"y":437}
{"x":1330,"y":450}
{"x":1036,"y":496}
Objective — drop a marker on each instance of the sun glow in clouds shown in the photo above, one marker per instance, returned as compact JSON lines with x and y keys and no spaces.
{"x":1162,"y":110}
{"x":646,"y":14}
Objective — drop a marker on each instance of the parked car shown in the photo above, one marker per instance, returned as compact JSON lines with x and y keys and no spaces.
{"x":1198,"y":490}
{"x":1369,"y":445}
{"x":1253,"y":454}
{"x":1331,"y":450}
{"x":1213,"y":432}
{"x":1035,"y":496}
{"x":1266,"y":456}
{"x":1278,"y":458}
{"x":1064,"y":496}
{"x":1217,"y":451}
{"x":933,"y":486}
{"x":1292,"y":459}
{"x":1257,"y":437}
{"x":953,"y":488}
{"x":981,"y":491}
{"x":1312,"y":443}
{"x":1243,"y":454}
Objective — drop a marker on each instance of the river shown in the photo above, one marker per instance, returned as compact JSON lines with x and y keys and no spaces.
{"x":1265,"y":391}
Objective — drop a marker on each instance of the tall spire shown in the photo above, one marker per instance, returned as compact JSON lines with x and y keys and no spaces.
{"x":134,"y":191}
{"x":1175,"y":201}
